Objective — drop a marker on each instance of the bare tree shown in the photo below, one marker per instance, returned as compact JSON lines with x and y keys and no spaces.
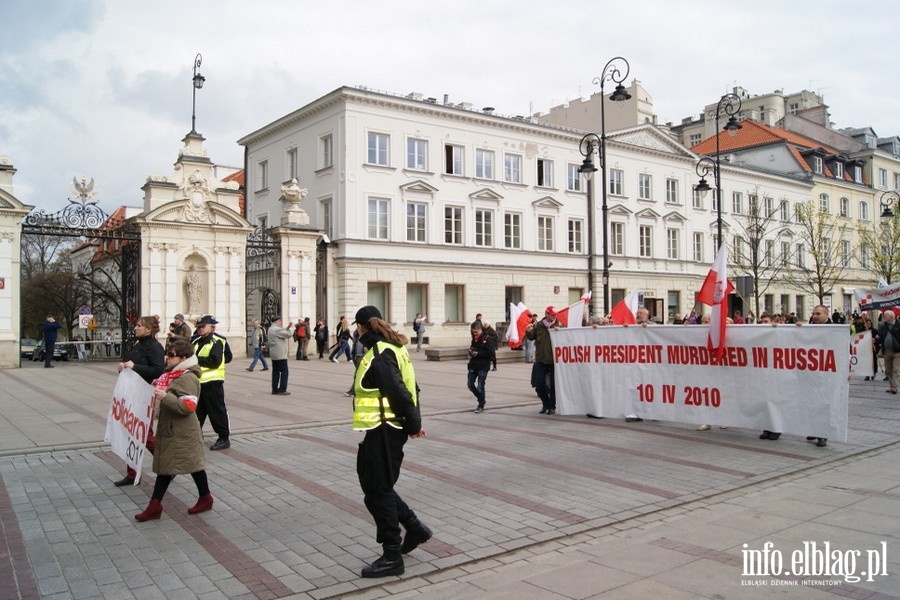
{"x":821,"y":234}
{"x":39,"y":252}
{"x":879,"y":247}
{"x":754,"y":250}
{"x":55,"y":291}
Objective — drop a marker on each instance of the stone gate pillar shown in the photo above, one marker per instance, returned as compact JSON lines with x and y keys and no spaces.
{"x":12,"y":212}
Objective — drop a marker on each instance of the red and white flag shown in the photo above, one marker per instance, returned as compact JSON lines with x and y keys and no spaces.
{"x":714,"y":293}
{"x":519,"y":317}
{"x":625,"y":312}
{"x":573,"y":315}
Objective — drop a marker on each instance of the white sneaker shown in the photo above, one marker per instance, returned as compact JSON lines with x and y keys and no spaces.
{"x":334,"y":359}
{"x":704,"y":427}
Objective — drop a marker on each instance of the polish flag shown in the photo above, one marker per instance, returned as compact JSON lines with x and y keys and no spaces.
{"x":519,"y":317}
{"x":714,"y":293}
{"x":624,"y":313}
{"x":573,"y":315}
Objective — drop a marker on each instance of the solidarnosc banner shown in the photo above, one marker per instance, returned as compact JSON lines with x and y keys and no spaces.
{"x":790,"y":379}
{"x":130,"y":416}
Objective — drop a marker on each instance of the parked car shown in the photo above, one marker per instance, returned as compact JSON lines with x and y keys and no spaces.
{"x":60,"y":351}
{"x":26,"y":347}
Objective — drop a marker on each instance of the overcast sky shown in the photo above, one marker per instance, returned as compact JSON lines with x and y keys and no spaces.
{"x":102,"y":88}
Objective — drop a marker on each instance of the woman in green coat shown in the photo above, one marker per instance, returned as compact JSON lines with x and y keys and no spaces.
{"x":179,"y":441}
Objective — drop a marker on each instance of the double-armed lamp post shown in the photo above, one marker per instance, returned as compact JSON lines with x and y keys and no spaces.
{"x":616,"y":70}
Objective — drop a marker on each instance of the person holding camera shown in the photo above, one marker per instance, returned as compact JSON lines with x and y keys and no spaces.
{"x":278,"y":352}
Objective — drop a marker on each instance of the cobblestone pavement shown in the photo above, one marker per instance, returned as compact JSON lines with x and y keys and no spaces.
{"x":523,"y":505}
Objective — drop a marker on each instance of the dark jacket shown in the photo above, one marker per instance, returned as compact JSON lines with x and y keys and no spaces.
{"x":892,"y":345}
{"x":148,"y":357}
{"x":179,"y":441}
{"x":481,"y":351}
{"x":543,"y":347}
{"x":50,"y":330}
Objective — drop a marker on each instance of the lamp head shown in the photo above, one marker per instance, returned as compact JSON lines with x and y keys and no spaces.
{"x":732,"y":126}
{"x":620,"y":94}
{"x":587,"y":167}
{"x":702,"y":187}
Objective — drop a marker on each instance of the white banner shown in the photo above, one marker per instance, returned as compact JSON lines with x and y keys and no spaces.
{"x":880,"y":298}
{"x":862,"y":359}
{"x":791,"y":379}
{"x":130,"y":417}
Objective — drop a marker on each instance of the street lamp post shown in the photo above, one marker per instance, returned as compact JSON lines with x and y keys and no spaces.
{"x":888,"y":199}
{"x":730,"y":105}
{"x":197,"y":80}
{"x":586,"y":146}
{"x":616,"y":70}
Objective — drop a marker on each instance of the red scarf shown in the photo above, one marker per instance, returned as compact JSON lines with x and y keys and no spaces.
{"x":162,"y":382}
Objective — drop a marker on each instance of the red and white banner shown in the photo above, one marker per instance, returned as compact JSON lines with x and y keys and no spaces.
{"x":574,"y":314}
{"x":791,"y":379}
{"x":879,"y":299}
{"x":862,"y":359}
{"x":130,"y":416}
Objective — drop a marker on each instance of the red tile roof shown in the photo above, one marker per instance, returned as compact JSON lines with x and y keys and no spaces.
{"x":238,"y":176}
{"x":753,"y":133}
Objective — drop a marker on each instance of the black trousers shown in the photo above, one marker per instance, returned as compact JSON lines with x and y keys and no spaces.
{"x":212,"y":403}
{"x":378,"y":467}
{"x":279,"y":375}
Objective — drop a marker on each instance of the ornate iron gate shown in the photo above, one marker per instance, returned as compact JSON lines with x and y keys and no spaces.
{"x":263,"y":276}
{"x":104,"y":267}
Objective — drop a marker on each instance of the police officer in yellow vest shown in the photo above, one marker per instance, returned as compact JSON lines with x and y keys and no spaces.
{"x":386,"y":407}
{"x":213,"y":353}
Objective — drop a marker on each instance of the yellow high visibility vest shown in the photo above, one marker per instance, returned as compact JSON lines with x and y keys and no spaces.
{"x":209,"y":373}
{"x":368,"y":402}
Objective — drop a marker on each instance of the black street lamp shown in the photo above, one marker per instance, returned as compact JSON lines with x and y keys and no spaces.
{"x":198,"y":80}
{"x":616,"y":70}
{"x":730,"y":105}
{"x":888,"y":199}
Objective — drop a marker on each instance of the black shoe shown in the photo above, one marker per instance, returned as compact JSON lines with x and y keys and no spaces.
{"x":543,"y":411}
{"x":821,"y":442}
{"x":765,"y":435}
{"x":124,"y":481}
{"x":479,"y":409}
{"x":633,"y":419}
{"x":494,"y":369}
{"x":265,"y":368}
{"x":281,"y":393}
{"x":251,"y":370}
{"x":551,"y":412}
{"x":590,"y":416}
{"x":384,"y":567}
{"x":810,"y":438}
{"x":220,"y":445}
{"x":414,"y":537}
{"x":774,"y":436}
{"x":49,"y":367}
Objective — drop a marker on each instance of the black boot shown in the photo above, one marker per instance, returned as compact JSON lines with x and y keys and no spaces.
{"x":390,"y":563}
{"x":416,"y":533}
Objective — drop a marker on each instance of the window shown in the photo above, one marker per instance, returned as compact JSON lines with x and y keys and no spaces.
{"x":864,"y":257}
{"x":453,"y":159}
{"x":770,"y":253}
{"x":617,"y":238}
{"x":817,"y":164}
{"x":484,"y":227}
{"x":484,"y":164}
{"x":698,"y":247}
{"x":785,"y":253}
{"x":378,"y":294}
{"x":378,"y":149}
{"x":737,"y":203}
{"x":416,"y":154}
{"x":785,"y":210}
{"x":262,"y":171}
{"x":416,"y":300}
{"x":615,"y":182}
{"x":737,"y":248}
{"x":823,"y":203}
{"x":415,"y":222}
{"x":753,"y":205}
{"x":897,"y":181}
{"x":857,"y":174}
{"x":263,"y":221}
{"x":863,"y":211}
{"x":453,"y":220}
{"x":326,"y":151}
{"x":770,"y":207}
{"x":512,"y":168}
{"x":544,"y":173}
{"x":672,"y":191}
{"x":645,"y":182}
{"x":845,"y":253}
{"x":326,"y":218}
{"x":696,"y":200}
{"x":645,"y":241}
{"x":378,"y":218}
{"x":825,"y":251}
{"x":575,"y":236}
{"x":512,"y":231}
{"x":454,"y":307}
{"x":838,"y":169}
{"x":573,"y":178}
{"x":672,"y":243}
{"x":882,"y":178}
{"x":694,"y":139}
{"x":715,"y":201}
{"x":845,"y":207}
{"x":293,"y":165}
{"x":545,"y":233}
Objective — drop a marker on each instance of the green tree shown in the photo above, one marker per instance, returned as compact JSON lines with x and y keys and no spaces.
{"x":820,"y":233}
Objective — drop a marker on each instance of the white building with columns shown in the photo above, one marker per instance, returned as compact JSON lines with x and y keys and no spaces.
{"x":437,"y":208}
